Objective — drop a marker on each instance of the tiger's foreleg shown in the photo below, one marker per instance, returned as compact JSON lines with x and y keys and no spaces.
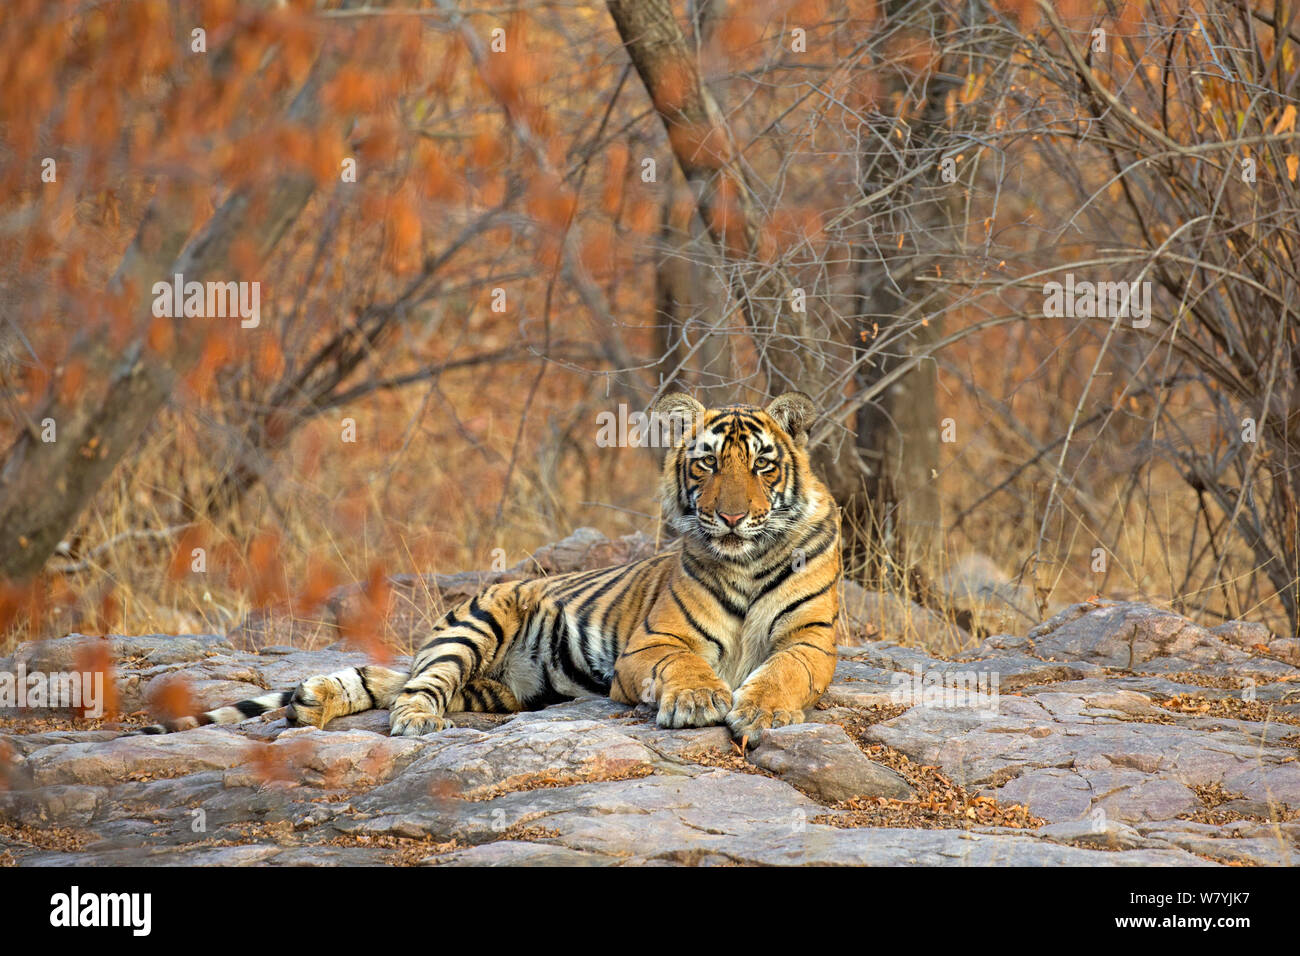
{"x":659,"y":667}
{"x":791,"y":680}
{"x":447,"y":671}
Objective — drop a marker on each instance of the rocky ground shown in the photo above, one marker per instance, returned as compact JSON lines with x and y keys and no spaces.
{"x":1115,"y":734}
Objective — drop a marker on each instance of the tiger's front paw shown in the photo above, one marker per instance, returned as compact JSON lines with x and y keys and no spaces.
{"x":315,"y":702}
{"x":694,"y":706}
{"x":752,"y":721}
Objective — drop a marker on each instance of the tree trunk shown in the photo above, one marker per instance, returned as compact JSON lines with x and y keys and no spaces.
{"x":885,"y":478}
{"x":706,"y":154}
{"x":690,"y":323}
{"x":891,"y":500}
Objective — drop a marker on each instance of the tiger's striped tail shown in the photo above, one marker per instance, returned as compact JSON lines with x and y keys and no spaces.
{"x":231,"y":714}
{"x":316,"y":701}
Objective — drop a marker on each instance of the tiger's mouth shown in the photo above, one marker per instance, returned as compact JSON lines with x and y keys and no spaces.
{"x":732,"y":543}
{"x":726,"y":542}
{"x":729,"y":553}
{"x":737,"y":538}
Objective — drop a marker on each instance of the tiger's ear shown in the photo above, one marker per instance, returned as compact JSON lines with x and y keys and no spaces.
{"x":795,"y":412}
{"x":681,"y":412}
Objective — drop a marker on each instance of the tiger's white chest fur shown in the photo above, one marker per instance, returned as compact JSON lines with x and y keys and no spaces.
{"x":751,"y":643}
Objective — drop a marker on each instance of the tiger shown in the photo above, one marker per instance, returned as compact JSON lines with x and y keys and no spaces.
{"x":733,"y":624}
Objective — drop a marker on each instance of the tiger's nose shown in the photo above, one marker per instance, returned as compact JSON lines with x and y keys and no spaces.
{"x":732,"y":520}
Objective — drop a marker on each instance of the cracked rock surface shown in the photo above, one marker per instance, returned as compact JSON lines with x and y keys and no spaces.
{"x":1112,"y":734}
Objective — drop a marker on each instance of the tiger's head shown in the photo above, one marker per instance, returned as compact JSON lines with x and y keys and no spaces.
{"x":738,"y":481}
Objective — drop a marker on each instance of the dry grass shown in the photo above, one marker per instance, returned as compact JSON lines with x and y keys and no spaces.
{"x":54,"y":723}
{"x":1232,"y":708}
{"x":359,"y":511}
{"x":1213,"y":796}
{"x":551,"y":781}
{"x":403,"y":850}
{"x":61,"y":839}
{"x":424,"y":487}
{"x":419,"y":493}
{"x":323,"y":533}
{"x":939,"y":803}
